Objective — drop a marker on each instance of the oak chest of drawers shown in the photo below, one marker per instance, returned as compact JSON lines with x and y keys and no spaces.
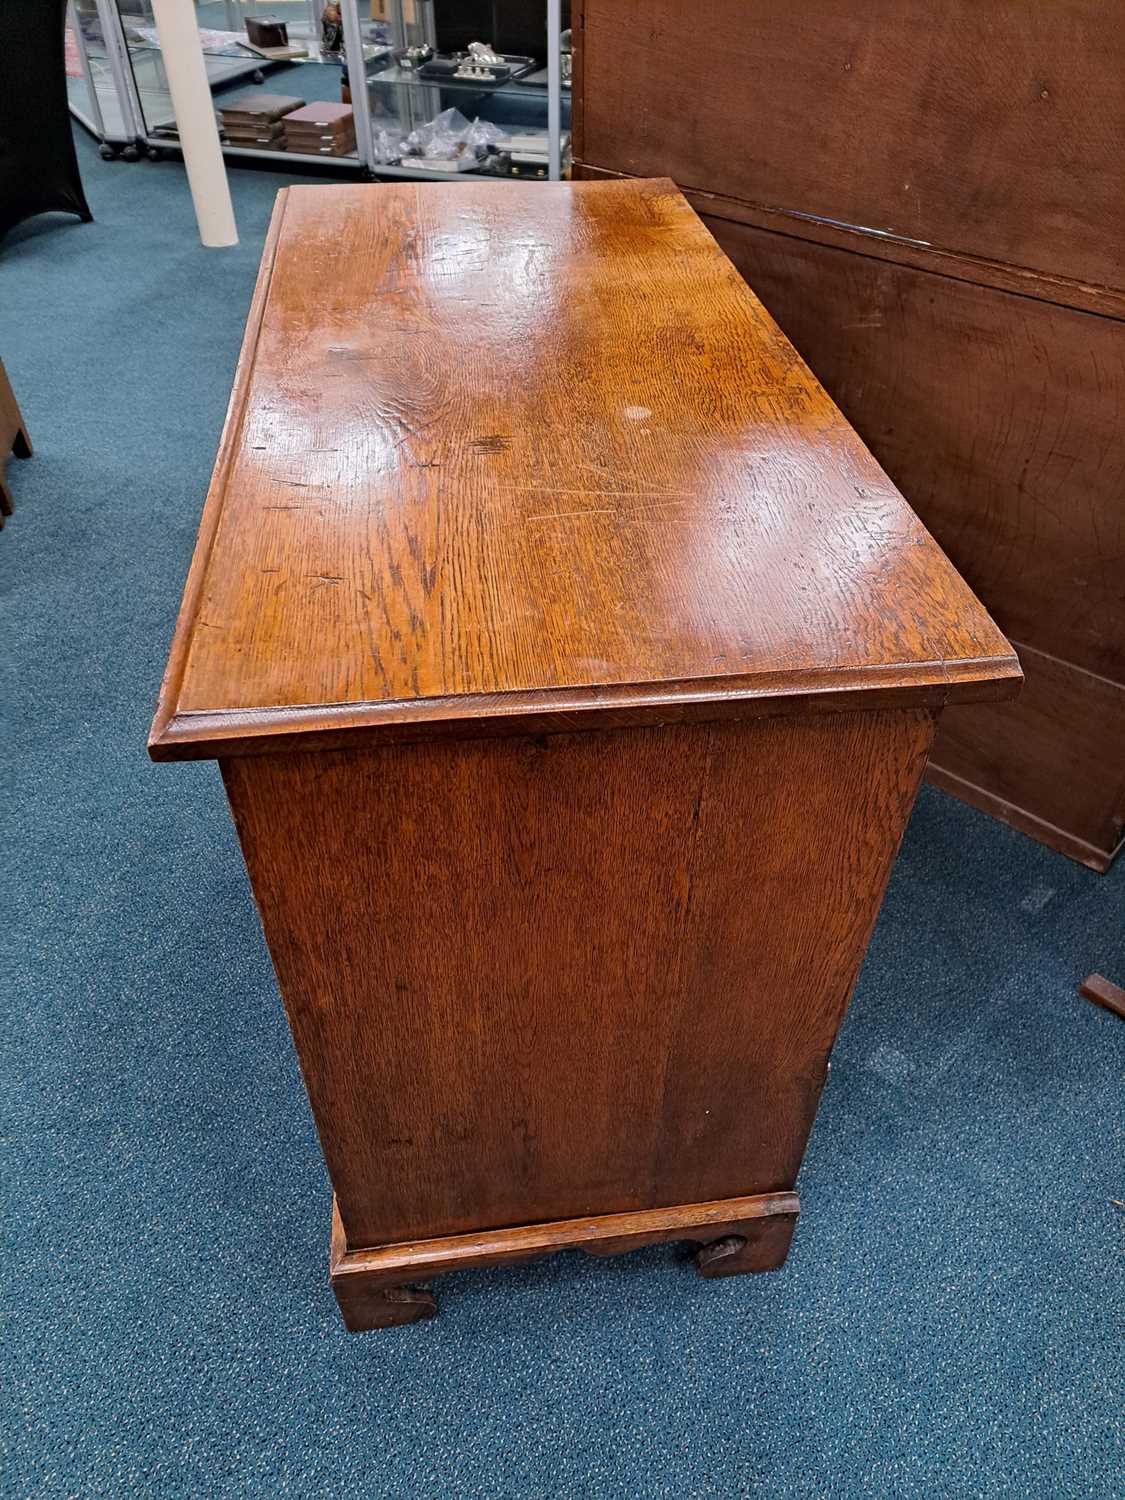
{"x":571,"y":667}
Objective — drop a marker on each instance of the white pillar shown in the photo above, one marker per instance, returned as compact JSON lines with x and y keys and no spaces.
{"x":182,"y":55}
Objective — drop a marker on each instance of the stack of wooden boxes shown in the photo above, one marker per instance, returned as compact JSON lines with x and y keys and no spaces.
{"x":321,"y":129}
{"x":257,"y":120}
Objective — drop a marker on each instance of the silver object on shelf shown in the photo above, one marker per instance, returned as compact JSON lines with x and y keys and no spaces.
{"x":482,"y":55}
{"x":414,"y":57}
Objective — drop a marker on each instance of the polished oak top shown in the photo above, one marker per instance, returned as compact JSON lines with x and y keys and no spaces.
{"x":508,"y":456}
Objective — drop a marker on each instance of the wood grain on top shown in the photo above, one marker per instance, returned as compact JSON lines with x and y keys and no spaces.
{"x":528,"y":452}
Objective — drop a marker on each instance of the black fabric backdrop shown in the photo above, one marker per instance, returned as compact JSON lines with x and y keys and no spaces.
{"x":508,"y":25}
{"x":38,"y":167}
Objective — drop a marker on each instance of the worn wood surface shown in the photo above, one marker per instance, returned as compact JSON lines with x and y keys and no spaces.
{"x":374,"y":1288}
{"x":879,"y":245}
{"x":1000,"y":416}
{"x":529,"y":447}
{"x":369,"y":1302}
{"x":1051,"y":764}
{"x":602,"y":1235}
{"x":996,"y":130}
{"x":929,"y":202}
{"x":587,"y":974}
{"x":955,"y":264}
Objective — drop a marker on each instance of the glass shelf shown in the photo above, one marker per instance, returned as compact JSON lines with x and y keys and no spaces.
{"x":399,"y":77}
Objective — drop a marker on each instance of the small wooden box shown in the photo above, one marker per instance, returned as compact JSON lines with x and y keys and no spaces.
{"x":572,"y":668}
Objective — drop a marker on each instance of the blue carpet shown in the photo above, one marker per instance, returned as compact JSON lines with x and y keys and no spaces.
{"x":945,"y":1324}
{"x":303,"y":80}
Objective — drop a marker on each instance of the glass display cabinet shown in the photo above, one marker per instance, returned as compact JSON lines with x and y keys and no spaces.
{"x":96,"y":79}
{"x":385,"y":88}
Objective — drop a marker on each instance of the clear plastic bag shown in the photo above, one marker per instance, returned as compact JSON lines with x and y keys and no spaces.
{"x":481,"y":134}
{"x":450,"y":143}
{"x":387,"y":145}
{"x":441,"y":136}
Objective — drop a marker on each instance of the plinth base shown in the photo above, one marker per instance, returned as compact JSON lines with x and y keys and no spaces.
{"x":738,"y":1236}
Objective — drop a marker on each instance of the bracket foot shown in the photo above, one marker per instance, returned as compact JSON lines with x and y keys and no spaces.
{"x":367,"y":1307}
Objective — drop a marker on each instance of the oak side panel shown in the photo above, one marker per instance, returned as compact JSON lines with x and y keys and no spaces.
{"x":531,"y":979}
{"x":993,"y":129}
{"x":1052,"y":763}
{"x":1000,"y":417}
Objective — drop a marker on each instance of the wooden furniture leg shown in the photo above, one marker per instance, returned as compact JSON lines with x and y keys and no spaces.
{"x":1101,"y":991}
{"x":758,"y":1246}
{"x":738,"y":1236}
{"x":13,"y":439}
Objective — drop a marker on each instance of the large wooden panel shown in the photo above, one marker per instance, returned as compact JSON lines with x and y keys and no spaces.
{"x":994,"y":128}
{"x":1052,"y":764}
{"x":527,"y":445}
{"x":585,"y":974}
{"x":1001,"y":418}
